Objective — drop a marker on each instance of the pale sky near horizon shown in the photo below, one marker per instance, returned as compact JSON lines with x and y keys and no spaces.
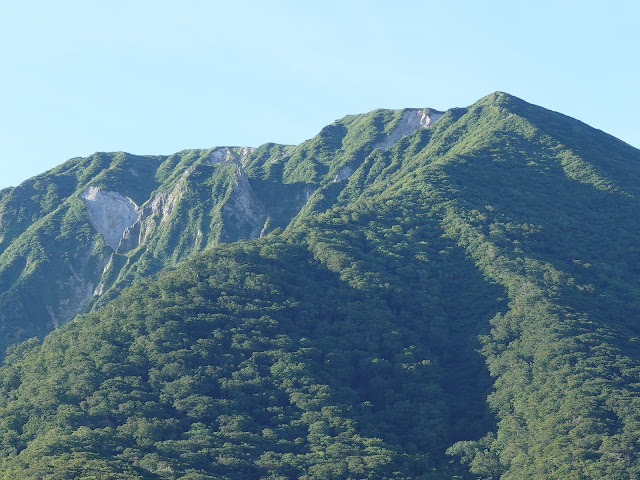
{"x":157,"y":77}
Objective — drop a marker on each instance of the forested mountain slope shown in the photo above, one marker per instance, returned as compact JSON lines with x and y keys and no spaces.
{"x":409,"y":294}
{"x":74,"y":236}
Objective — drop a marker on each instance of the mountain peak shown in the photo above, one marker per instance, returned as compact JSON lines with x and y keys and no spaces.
{"x":500,"y":98}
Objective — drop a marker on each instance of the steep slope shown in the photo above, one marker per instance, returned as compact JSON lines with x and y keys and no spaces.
{"x":119,"y":217}
{"x":458,"y":300}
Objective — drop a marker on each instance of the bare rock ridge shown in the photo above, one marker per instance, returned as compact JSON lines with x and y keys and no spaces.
{"x":220,"y":155}
{"x":225,"y":155}
{"x":412,"y":119}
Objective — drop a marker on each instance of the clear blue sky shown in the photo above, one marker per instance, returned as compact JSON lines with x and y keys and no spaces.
{"x":152,"y":77}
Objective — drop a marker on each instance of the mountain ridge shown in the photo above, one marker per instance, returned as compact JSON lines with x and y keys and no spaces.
{"x":461,"y":304}
{"x":165,"y":179}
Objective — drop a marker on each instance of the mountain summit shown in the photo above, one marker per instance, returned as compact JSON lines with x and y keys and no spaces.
{"x":409,"y":294}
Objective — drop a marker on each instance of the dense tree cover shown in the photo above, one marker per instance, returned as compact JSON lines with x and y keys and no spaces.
{"x":254,"y":361}
{"x":465,"y":305}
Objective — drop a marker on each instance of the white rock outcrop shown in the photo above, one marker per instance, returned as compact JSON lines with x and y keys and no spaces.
{"x":344,"y":173}
{"x":244,"y":153}
{"x":110,"y":213}
{"x":412,"y":119}
{"x":219,"y":155}
{"x":243,"y":209}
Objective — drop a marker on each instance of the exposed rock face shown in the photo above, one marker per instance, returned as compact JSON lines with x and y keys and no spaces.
{"x":412,"y":120}
{"x":78,"y":287}
{"x":126,"y":226}
{"x":153,"y":214}
{"x":123,"y":224}
{"x":110,"y":213}
{"x":244,"y":215}
{"x":244,"y":153}
{"x":81,"y":290}
{"x":343,"y":174}
{"x":220,"y":155}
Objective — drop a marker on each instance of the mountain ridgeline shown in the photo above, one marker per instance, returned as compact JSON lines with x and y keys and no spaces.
{"x":411,"y":294}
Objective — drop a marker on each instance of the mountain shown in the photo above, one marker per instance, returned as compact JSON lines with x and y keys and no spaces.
{"x":409,"y":294}
{"x":71,"y":238}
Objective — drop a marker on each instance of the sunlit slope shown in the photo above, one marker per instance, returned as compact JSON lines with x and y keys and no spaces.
{"x":428,"y":296}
